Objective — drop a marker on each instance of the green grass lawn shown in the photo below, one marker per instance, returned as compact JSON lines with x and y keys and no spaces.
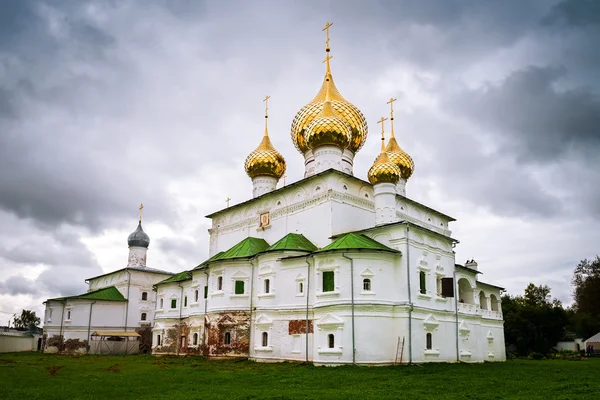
{"x":40,"y":376}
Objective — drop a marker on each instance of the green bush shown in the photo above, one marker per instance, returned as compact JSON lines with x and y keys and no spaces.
{"x":535,"y":356}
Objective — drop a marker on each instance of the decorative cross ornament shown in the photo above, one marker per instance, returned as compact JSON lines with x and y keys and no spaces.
{"x":141,"y":208}
{"x":266,"y":100}
{"x":381,"y":121}
{"x":327,"y":58}
{"x":228,"y":200}
{"x":391,"y":103}
{"x":326,"y":29}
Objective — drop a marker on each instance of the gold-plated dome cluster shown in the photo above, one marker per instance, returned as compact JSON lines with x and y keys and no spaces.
{"x":345,"y":110}
{"x":395,"y":153}
{"x":265,"y":160}
{"x":383,"y":170}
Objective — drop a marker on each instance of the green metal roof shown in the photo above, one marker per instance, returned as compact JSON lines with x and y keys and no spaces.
{"x":180,"y":277}
{"x":110,"y":293}
{"x":244,"y":249}
{"x":355,"y":241}
{"x":293,"y":241}
{"x":202,"y":264}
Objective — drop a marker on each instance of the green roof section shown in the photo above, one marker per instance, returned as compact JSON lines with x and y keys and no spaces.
{"x":202,"y":264}
{"x":110,"y":293}
{"x":293,"y":241}
{"x":180,"y":277}
{"x":355,"y":241}
{"x":244,"y":249}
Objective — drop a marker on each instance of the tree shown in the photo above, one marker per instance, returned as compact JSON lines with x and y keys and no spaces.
{"x":27,"y":320}
{"x":586,"y":293}
{"x":533,"y":322}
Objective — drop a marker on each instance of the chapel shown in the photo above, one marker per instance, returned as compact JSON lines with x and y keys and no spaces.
{"x":336,"y":268}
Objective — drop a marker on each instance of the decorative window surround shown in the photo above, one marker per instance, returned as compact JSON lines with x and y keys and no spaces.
{"x":441,"y":299}
{"x":367,"y":274}
{"x":330,"y":324}
{"x":424,"y":296}
{"x":217,"y":293}
{"x":266,"y":295}
{"x":335,"y":293}
{"x":432,"y":352}
{"x":234,"y":296}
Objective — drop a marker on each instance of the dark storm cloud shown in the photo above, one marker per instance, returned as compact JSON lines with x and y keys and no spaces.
{"x":574,"y":13}
{"x":537,"y":122}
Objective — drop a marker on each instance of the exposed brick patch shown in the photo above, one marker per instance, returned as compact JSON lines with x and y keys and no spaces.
{"x":236,"y":323}
{"x":298,"y":326}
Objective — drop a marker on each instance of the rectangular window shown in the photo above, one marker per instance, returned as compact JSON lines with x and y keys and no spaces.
{"x":173,"y":303}
{"x":206,"y":292}
{"x":196,"y":296}
{"x":239,"y":287}
{"x":68,"y":314}
{"x":328,"y":281}
{"x":185,"y":301}
{"x":422,"y":286}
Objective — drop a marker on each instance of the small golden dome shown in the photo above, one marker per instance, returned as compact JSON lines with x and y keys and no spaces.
{"x":383,"y":170}
{"x":327,"y":128}
{"x":265,"y":160}
{"x":342,"y":107}
{"x":396,"y":154}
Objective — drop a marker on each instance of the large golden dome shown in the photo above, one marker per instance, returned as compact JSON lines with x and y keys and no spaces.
{"x":383,"y":170}
{"x":328,"y":128}
{"x":343,"y":108}
{"x":265,"y":160}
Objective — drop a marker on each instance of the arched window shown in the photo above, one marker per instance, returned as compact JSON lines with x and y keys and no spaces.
{"x":367,"y":285}
{"x":494,"y":301}
{"x":161,"y":303}
{"x":267,"y":286}
{"x":428,"y":341}
{"x":482,"y":301}
{"x":422,"y":283}
{"x":143,"y":316}
{"x":196,"y":295}
{"x":265,"y":339}
{"x":158,"y":343}
{"x":227,"y":338}
{"x":220,"y":283}
{"x":195,"y":339}
{"x":144,"y":296}
{"x":331,"y":341}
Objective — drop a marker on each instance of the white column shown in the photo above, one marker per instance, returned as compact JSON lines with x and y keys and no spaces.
{"x":137,"y":256}
{"x":348,"y":162}
{"x":309,"y":164}
{"x":385,"y":203}
{"x":327,"y":157}
{"x":263,"y":184}
{"x":401,"y":187}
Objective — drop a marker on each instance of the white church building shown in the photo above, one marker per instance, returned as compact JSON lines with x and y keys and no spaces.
{"x":332,"y":269}
{"x":121,"y":302}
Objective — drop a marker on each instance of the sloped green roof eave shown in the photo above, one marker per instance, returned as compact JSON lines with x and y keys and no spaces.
{"x":244,"y":249}
{"x":293,"y":241}
{"x":180,"y":277}
{"x":110,"y":293}
{"x":202,"y":264}
{"x":356,"y":241}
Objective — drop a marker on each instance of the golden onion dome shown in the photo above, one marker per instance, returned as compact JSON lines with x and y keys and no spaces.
{"x":265,"y":160}
{"x":327,"y":128}
{"x":383,"y":170}
{"x":342,"y":107}
{"x":395,"y":153}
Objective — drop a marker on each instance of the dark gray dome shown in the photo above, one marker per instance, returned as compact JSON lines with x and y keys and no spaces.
{"x":138,"y":238}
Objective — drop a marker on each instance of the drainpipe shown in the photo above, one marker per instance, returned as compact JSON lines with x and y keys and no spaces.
{"x":352,"y":303}
{"x":62,"y":321}
{"x":456,"y":311}
{"x":180,"y":309}
{"x":128,"y":303}
{"x":252,"y":262}
{"x":410,"y":304}
{"x":205,"y":308}
{"x":307,"y":302}
{"x":89,"y":327}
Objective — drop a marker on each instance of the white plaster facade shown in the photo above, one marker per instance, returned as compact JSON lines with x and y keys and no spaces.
{"x":367,"y":321}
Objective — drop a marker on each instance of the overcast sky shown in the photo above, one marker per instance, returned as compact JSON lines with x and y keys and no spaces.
{"x":107,"y":104}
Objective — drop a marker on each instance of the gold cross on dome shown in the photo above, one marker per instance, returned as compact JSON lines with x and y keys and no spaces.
{"x":327,"y":58}
{"x":266,"y":100}
{"x":326,"y":29}
{"x":228,"y":200}
{"x":141,"y":208}
{"x":391,"y":103}
{"x":381,"y":121}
